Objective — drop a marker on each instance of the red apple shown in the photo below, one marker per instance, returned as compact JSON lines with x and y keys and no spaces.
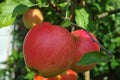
{"x":38,"y":77}
{"x":68,"y":75}
{"x":84,"y":44}
{"x":49,"y":49}
{"x":32,"y":17}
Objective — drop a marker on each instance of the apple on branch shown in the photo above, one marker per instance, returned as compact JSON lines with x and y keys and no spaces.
{"x":32,"y":17}
{"x":84,"y":45}
{"x":67,"y":75}
{"x":49,"y":49}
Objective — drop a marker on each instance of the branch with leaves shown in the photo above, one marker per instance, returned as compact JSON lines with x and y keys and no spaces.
{"x":81,"y":27}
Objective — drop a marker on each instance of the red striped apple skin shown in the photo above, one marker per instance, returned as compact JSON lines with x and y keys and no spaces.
{"x":84,"y":45}
{"x":49,"y":49}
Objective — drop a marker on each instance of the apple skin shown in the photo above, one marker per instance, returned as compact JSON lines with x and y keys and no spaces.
{"x":38,"y":77}
{"x":84,"y":45}
{"x":67,"y":75}
{"x":32,"y":17}
{"x":49,"y":49}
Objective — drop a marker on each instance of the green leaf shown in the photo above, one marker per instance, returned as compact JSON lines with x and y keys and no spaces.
{"x":30,"y":76}
{"x":9,"y":9}
{"x":93,"y":57}
{"x":6,"y":20}
{"x":114,"y":63}
{"x":81,"y":17}
{"x":41,"y":3}
{"x":66,"y":23}
{"x":116,"y":40}
{"x":62,"y":5}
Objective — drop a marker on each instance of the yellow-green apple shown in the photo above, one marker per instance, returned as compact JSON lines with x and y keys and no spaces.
{"x":49,"y":49}
{"x":84,"y":45}
{"x":32,"y":17}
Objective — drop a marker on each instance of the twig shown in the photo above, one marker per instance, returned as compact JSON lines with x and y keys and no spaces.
{"x":72,"y":9}
{"x":87,"y":75}
{"x":101,"y":46}
{"x":56,"y":9}
{"x":82,"y":3}
{"x":99,"y":16}
{"x":53,"y":6}
{"x":66,"y":13}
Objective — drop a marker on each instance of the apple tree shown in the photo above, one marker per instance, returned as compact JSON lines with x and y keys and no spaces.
{"x":99,"y":19}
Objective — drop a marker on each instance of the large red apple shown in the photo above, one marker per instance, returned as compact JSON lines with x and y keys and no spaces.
{"x":32,"y":17}
{"x":49,"y":49}
{"x":84,"y":44}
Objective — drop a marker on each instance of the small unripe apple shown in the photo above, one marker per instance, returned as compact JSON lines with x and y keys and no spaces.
{"x":49,"y":49}
{"x":84,"y":45}
{"x":32,"y":17}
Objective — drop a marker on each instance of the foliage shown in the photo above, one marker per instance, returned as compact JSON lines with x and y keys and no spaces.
{"x":86,"y":13}
{"x":9,"y":13}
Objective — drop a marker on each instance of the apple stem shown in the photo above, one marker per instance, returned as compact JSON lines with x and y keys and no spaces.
{"x":87,"y":75}
{"x":101,"y":46}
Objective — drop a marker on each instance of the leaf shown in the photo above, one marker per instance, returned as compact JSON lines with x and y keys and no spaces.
{"x":9,"y":9}
{"x":116,"y":40}
{"x":63,"y":5}
{"x":29,"y":76}
{"x":93,"y":57}
{"x":41,"y":3}
{"x":66,"y":23}
{"x":20,"y":9}
{"x":6,"y":20}
{"x":81,"y":17}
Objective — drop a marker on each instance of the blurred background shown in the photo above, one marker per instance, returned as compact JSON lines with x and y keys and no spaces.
{"x":103,"y":21}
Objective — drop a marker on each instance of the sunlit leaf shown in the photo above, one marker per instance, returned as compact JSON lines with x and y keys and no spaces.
{"x":81,"y":17}
{"x":66,"y":23}
{"x":30,"y":75}
{"x":9,"y":9}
